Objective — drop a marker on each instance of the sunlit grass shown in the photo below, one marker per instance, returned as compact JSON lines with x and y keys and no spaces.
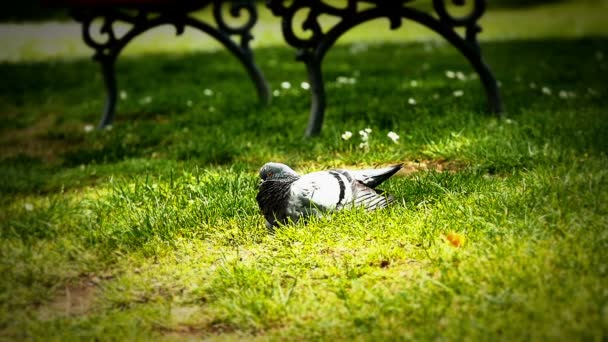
{"x":150,"y":230}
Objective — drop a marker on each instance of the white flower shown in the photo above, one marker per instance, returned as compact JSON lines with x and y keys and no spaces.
{"x":28,"y":206}
{"x":357,"y":48}
{"x":450,"y":74}
{"x":546,"y":90}
{"x":305,"y":85}
{"x":285,"y":85}
{"x":364,"y":135}
{"x":458,"y":93}
{"x":208,"y":92}
{"x":346,"y":80}
{"x":461,"y":76}
{"x":88,"y":128}
{"x":108,"y":128}
{"x":599,"y":55}
{"x":189,"y":103}
{"x":276,"y":93}
{"x":364,"y":145}
{"x":146,"y":100}
{"x":347,"y":135}
{"x":368,"y":130}
{"x":413,"y":83}
{"x":566,"y":94}
{"x":411,"y":101}
{"x":393,"y":136}
{"x":123,"y":95}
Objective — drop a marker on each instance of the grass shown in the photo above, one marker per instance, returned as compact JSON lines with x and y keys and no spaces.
{"x":150,"y":230}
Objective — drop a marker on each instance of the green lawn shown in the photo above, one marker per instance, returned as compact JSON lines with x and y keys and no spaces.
{"x":151,"y":230}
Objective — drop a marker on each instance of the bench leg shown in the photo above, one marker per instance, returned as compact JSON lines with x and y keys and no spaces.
{"x":109,"y":45}
{"x":317,"y":87}
{"x":319,"y":40}
{"x":225,"y":31}
{"x":109,"y":78}
{"x":495,"y":104}
{"x":261,"y":85}
{"x":242,"y":52}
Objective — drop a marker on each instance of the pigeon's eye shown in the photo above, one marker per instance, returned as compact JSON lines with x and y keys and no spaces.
{"x":269,"y":174}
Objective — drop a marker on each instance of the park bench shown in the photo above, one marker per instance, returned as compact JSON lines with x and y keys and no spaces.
{"x":311,"y":48}
{"x":143,"y":15}
{"x":317,"y":41}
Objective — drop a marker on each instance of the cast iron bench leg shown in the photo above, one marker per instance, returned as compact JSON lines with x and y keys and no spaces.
{"x":317,"y":89}
{"x":109,"y":79}
{"x":312,"y":49}
{"x":108,"y":48}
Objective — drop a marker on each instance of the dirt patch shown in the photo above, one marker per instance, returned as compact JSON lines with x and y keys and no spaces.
{"x":183,"y":333}
{"x":34,"y":141}
{"x":190,"y":322}
{"x":439,"y":165}
{"x":72,"y":300}
{"x":409,"y":166}
{"x":194,"y":332}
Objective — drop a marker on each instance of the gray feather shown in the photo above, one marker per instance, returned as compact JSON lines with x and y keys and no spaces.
{"x":374,"y":177}
{"x":273,"y":197}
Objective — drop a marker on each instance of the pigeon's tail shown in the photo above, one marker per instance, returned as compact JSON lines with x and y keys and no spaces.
{"x":372,"y":199}
{"x":374,"y":177}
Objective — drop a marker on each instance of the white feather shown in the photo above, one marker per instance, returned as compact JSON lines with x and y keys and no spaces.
{"x":321,"y":189}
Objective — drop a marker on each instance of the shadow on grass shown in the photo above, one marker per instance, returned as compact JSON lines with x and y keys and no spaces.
{"x":201,"y":109}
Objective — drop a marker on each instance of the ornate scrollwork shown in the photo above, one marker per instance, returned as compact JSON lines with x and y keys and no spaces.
{"x":312,"y":48}
{"x":469,"y":20}
{"x":236,"y":8}
{"x":106,"y":41}
{"x":391,"y":9}
{"x":311,"y":23}
{"x":109,"y":40}
{"x":479,"y":7}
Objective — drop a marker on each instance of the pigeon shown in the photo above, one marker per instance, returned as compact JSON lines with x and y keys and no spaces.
{"x":285,"y":196}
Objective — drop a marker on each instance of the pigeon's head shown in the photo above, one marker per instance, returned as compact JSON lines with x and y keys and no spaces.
{"x":276,"y":171}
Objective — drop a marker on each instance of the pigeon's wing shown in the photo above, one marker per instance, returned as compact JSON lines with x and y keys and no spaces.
{"x":334,"y":190}
{"x":324,"y":190}
{"x":373,"y":177}
{"x":371,"y":199}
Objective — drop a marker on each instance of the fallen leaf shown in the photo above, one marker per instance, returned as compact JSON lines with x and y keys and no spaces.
{"x":455,"y":239}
